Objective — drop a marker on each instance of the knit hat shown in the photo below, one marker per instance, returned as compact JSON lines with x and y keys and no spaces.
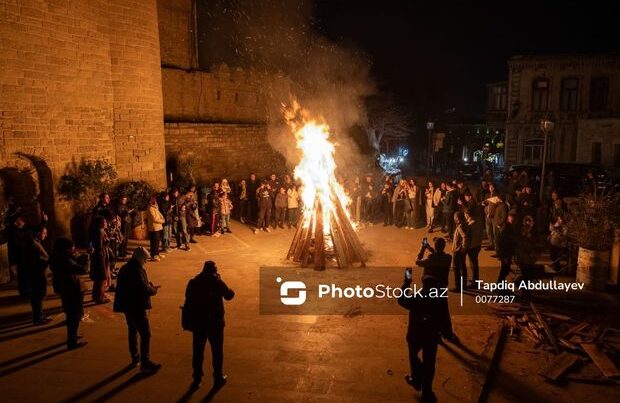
{"x":141,"y":253}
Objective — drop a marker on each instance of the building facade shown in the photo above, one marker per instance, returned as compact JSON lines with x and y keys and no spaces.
{"x":580,"y":93}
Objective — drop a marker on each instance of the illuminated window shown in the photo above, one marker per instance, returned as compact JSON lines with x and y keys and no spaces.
{"x":533,"y":150}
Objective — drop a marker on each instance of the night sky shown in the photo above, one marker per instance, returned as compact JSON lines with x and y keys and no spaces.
{"x":430,"y":55}
{"x":435,"y":55}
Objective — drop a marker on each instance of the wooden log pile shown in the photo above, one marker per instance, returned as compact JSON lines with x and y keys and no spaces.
{"x":577,"y":346}
{"x":312,"y":245}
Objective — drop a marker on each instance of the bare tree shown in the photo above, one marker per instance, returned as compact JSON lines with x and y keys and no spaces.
{"x":386,"y":119}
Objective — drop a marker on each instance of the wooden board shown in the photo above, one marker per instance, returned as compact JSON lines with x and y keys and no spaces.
{"x":488,"y":364}
{"x":600,"y":359}
{"x":559,"y":366}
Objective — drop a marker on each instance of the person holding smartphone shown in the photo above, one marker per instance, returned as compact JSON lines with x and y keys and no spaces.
{"x":437,"y":267}
{"x":133,"y":298}
{"x":426,"y":319}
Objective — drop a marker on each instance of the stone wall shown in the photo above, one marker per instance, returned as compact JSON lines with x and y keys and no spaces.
{"x":223,"y":150}
{"x":222,"y":95}
{"x":79,"y":79}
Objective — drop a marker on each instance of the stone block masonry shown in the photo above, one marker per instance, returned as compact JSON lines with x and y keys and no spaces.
{"x":79,"y":79}
{"x":223,"y":150}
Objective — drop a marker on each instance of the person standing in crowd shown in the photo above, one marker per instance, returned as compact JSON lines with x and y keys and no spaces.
{"x":490,"y":204}
{"x":18,"y":238}
{"x":203,"y":315}
{"x":66,"y":270}
{"x":426,"y":318}
{"x":481,"y":193}
{"x":437,"y":267}
{"x":182,"y":235}
{"x":388,"y":204}
{"x":462,"y":189}
{"x":557,"y":207}
{"x":499,"y":215}
{"x":37,"y":261}
{"x":203,"y":213}
{"x":215,"y":208}
{"x":429,"y":192}
{"x":133,"y":298}
{"x":274,"y":185}
{"x":281,"y":205}
{"x":438,"y":206}
{"x":412,"y":205}
{"x":292,"y":204}
{"x":263,"y":194}
{"x":167,"y":210}
{"x":475,"y":232}
{"x":449,"y":208}
{"x":243,"y":201}
{"x":558,"y":240}
{"x":506,"y":242}
{"x":226,"y":207}
{"x":193,"y":215}
{"x":102,"y":205}
{"x":527,"y":203}
{"x":115,"y":238}
{"x":399,"y":203}
{"x":460,"y":244}
{"x":124,"y":212}
{"x":154,"y":224}
{"x":99,"y":260}
{"x":252,"y":186}
{"x":368,"y":201}
{"x":355,"y":194}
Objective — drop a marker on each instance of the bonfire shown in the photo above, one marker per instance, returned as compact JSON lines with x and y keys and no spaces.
{"x":324,"y":231}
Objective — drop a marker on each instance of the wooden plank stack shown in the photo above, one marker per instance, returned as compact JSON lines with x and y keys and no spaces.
{"x":312,"y":246}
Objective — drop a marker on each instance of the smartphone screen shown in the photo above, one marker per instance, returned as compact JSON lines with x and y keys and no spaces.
{"x":424,"y":241}
{"x":408,"y":273}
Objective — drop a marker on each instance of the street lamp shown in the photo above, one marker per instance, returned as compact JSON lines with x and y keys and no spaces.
{"x":430,"y":126}
{"x":546,"y":127}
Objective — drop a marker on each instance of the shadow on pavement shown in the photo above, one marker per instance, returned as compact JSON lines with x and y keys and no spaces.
{"x":32,"y":362}
{"x":119,"y":388}
{"x":93,"y":388}
{"x":187,"y":395}
{"x":31,"y":354}
{"x":212,"y":393}
{"x":35,"y":329}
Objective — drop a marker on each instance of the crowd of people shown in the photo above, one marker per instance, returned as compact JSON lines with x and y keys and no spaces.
{"x":509,"y":219}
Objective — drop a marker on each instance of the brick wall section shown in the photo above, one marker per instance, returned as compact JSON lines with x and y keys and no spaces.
{"x":136,"y":83}
{"x":223,"y":150}
{"x":223,"y":95}
{"x":55,"y":78}
{"x":175,"y":33}
{"x":81,"y":79}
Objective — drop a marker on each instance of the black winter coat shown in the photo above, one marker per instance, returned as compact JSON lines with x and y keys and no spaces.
{"x":204,"y":301}
{"x":133,"y":289}
{"x":66,"y":271}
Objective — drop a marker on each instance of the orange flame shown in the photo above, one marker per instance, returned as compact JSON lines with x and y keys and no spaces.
{"x":317,"y":167}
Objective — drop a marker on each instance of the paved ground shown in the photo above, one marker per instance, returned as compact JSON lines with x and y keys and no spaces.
{"x":270,"y":358}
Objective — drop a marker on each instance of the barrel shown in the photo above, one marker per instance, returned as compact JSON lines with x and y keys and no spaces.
{"x":592,"y":268}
